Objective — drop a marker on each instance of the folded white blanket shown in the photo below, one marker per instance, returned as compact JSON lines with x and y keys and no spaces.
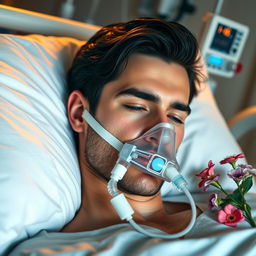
{"x":207,"y":238}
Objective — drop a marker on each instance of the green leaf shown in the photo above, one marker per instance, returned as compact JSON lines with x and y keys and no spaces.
{"x":236,"y":196}
{"x":226,"y":201}
{"x":248,"y":207}
{"x":246,"y":184}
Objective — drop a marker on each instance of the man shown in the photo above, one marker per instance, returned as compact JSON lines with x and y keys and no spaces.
{"x":130,"y":77}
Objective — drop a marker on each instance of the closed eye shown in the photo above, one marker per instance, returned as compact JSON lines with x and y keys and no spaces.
{"x":176,"y":119}
{"x":134,"y":107}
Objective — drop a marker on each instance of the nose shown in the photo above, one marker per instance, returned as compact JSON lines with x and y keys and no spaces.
{"x":157,"y":118}
{"x":153,"y":120}
{"x":153,"y":140}
{"x":162,"y":117}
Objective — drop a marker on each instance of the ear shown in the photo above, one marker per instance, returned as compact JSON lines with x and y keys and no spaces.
{"x":76,"y":105}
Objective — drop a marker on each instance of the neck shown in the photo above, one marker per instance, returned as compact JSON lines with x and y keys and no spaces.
{"x":96,"y":210}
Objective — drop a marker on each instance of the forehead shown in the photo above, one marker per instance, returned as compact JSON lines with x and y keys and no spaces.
{"x":152,"y":74}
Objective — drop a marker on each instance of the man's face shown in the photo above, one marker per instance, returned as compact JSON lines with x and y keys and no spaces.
{"x":148,"y":92}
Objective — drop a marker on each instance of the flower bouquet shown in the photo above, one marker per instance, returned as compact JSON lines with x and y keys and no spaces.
{"x":233,"y":208}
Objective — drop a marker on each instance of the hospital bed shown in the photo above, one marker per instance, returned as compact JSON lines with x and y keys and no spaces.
{"x":243,"y":122}
{"x":39,"y":174}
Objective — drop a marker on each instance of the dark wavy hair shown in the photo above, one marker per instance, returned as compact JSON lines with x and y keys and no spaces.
{"x":103,"y":58}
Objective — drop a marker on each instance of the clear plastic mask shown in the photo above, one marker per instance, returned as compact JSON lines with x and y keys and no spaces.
{"x":154,"y":152}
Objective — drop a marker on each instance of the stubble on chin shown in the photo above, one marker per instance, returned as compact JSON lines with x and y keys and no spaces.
{"x":101,"y":158}
{"x":140,"y":186}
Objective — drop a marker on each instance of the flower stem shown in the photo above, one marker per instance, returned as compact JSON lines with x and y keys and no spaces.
{"x":233,"y":164}
{"x":245,"y":208}
{"x":248,"y":216}
{"x":216,"y":184}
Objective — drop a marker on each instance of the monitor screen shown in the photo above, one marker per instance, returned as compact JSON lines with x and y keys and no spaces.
{"x":223,"y":38}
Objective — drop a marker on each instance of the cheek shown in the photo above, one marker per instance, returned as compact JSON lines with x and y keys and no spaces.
{"x":179,"y":137}
{"x":123,"y":127}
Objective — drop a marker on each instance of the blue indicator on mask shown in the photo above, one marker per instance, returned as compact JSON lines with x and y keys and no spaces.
{"x":157,"y":164}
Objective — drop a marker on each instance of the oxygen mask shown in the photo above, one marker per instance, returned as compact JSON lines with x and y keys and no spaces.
{"x":154,"y":152}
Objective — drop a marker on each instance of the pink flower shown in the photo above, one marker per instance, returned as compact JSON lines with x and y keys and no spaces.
{"x":207,"y":176}
{"x":231,"y":159}
{"x":248,"y":168}
{"x":205,"y":183}
{"x":213,"y":201}
{"x":238,"y":173}
{"x":230,"y":215}
{"x":207,"y":172}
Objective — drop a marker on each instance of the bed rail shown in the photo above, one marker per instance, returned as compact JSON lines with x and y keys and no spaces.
{"x":33,"y":22}
{"x":243,"y":122}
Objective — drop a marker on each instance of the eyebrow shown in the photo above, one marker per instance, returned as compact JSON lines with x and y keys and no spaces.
{"x":153,"y":98}
{"x":140,"y":94}
{"x":181,"y":107}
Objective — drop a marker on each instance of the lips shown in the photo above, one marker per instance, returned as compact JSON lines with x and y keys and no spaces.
{"x":143,"y":160}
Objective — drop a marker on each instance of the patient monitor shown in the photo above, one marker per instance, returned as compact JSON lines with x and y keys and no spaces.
{"x":222,"y":41}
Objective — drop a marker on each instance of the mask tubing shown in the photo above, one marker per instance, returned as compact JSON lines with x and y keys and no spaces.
{"x":112,"y":188}
{"x":125,"y":211}
{"x":117,"y":174}
{"x":173,"y":236}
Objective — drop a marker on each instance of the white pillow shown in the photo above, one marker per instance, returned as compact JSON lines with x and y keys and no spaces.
{"x":39,"y":177}
{"x":39,"y":173}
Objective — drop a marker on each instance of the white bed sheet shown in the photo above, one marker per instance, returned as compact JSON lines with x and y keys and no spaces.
{"x":207,"y":238}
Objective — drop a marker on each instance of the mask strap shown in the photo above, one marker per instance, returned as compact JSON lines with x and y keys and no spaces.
{"x":101,"y":131}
